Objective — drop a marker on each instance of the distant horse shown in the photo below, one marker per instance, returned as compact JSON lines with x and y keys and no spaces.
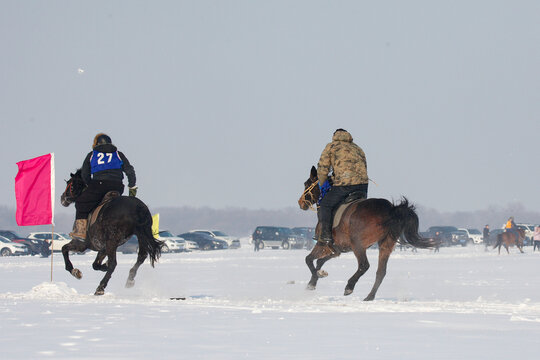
{"x":119,"y":218}
{"x":508,"y":239}
{"x":363,"y":224}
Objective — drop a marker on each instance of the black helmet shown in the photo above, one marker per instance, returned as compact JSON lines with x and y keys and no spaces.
{"x":101,"y":139}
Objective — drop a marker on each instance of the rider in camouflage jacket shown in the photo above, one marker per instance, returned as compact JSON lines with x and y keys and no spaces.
{"x":347,"y":161}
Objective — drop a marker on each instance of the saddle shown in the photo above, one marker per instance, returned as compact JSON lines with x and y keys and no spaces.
{"x":353,"y":198}
{"x":106,"y":199}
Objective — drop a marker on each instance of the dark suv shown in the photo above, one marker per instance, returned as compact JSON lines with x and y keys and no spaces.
{"x":306,"y":234}
{"x":443,"y":234}
{"x":275,"y":237}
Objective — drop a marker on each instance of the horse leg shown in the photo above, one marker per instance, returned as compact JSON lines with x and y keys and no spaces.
{"x":313,"y":281}
{"x":111,"y":261}
{"x":363,"y":266}
{"x":385,"y":249}
{"x":73,"y":245}
{"x":318,"y":252}
{"x":97,"y":265}
{"x":133,"y":271}
{"x":320,"y":263}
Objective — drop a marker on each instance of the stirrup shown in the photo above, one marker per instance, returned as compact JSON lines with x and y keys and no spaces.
{"x":329,"y":244}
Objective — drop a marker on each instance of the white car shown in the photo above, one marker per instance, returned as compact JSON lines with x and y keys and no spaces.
{"x":234,"y":243}
{"x":474,"y":235}
{"x":190,"y":245}
{"x":60,"y":239}
{"x":529,"y":230}
{"x":9,"y":248}
{"x":172,"y":243}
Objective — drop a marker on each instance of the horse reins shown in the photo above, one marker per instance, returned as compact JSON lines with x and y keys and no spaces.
{"x":312,"y":206}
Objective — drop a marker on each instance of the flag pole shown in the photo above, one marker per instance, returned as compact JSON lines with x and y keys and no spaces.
{"x":52,"y":251}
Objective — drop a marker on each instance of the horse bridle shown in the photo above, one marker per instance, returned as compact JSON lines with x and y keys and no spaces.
{"x":313,"y":206}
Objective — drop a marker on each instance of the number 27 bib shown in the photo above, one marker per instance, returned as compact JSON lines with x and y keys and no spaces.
{"x":100,"y":161}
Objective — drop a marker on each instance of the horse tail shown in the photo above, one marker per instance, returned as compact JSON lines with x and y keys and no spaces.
{"x":143,"y":230}
{"x":403,"y":222}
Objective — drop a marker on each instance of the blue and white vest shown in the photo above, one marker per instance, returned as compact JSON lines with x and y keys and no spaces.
{"x":100,"y":161}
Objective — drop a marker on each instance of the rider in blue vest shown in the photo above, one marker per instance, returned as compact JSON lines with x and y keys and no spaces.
{"x":103,"y":171}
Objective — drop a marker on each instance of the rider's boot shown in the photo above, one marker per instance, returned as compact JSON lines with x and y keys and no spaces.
{"x":325,"y":238}
{"x":79,"y":229}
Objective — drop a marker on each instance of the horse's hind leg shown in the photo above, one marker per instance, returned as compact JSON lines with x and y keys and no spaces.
{"x":98,"y":263}
{"x":133,"y":271}
{"x":385,"y":249}
{"x":73,"y":245}
{"x":363,"y":266}
{"x":111,"y":265}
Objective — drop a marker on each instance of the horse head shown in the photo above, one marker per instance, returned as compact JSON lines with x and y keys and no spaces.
{"x":311,"y":191}
{"x":74,"y":187}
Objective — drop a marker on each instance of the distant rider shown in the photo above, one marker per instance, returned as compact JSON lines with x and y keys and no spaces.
{"x":511,"y":227}
{"x":102,"y":171}
{"x":348,"y":163}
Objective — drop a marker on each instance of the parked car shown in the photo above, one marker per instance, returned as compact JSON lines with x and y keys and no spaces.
{"x":60,"y":239}
{"x":306,"y":234}
{"x":529,"y":232}
{"x":171,"y":243}
{"x":443,"y":234}
{"x":232,"y":242}
{"x":474,"y":235}
{"x":35,"y":246}
{"x":274,"y":237}
{"x":205,"y":241}
{"x":9,"y":248}
{"x":129,"y":247}
{"x":460,"y":237}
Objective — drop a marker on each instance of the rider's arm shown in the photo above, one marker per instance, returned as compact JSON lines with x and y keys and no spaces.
{"x":85,"y":169}
{"x":129,"y":170}
{"x":323,"y":167}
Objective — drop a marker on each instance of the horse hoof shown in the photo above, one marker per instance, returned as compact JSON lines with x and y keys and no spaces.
{"x":369,"y":298}
{"x":348,"y":292}
{"x":99,"y":292}
{"x":76,"y":273}
{"x":322,"y":274}
{"x":130,"y":283}
{"x":310,"y":287}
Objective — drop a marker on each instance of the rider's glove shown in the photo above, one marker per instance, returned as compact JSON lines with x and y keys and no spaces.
{"x":133,"y":191}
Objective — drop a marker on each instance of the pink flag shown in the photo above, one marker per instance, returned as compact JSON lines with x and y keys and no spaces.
{"x":34,"y":191}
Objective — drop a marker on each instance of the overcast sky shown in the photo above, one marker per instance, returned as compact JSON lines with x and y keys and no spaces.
{"x":229,"y":103}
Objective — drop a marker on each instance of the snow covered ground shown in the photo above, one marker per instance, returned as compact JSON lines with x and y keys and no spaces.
{"x":460,"y":303}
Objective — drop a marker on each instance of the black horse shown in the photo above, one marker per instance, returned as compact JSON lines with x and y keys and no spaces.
{"x":364,"y":223}
{"x":119,"y":218}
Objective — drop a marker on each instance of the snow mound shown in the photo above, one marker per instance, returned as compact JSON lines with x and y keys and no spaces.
{"x":49,"y":290}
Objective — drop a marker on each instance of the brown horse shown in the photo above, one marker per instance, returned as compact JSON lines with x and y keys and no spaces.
{"x":363,"y":224}
{"x":508,"y":239}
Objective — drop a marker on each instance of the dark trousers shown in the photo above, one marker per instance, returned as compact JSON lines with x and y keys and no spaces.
{"x":333,"y":198}
{"x":92,"y":196}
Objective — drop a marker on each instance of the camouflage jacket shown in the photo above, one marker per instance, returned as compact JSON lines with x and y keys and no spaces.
{"x":346,"y":159}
